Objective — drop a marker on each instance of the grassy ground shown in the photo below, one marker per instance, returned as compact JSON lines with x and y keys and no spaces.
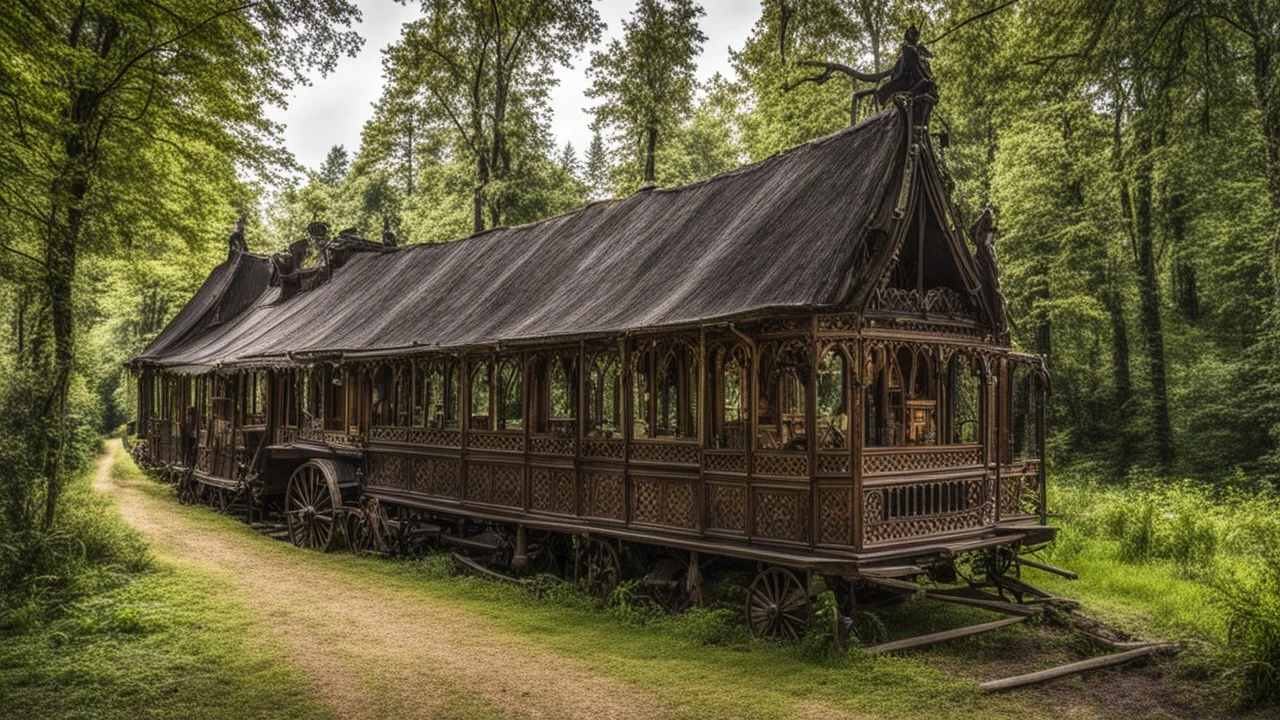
{"x":164,"y":641}
{"x":179,"y":640}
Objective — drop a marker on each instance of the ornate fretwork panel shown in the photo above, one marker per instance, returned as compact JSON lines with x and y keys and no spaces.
{"x":726,"y":507}
{"x":494,"y":484}
{"x":922,"y":508}
{"x":434,"y":437}
{"x":551,"y":445}
{"x":388,"y":434}
{"x":725,"y":461}
{"x":782,"y":514}
{"x":678,"y":505}
{"x":500,"y":441}
{"x":605,"y":495}
{"x":387,"y":470}
{"x":833,"y":464}
{"x":781,"y":464}
{"x":934,"y":301}
{"x":609,"y":449}
{"x":204,"y":459}
{"x":1020,"y":490}
{"x":876,"y":461}
{"x":648,"y":501}
{"x":842,"y":323}
{"x":667,"y":453}
{"x":835,"y":515}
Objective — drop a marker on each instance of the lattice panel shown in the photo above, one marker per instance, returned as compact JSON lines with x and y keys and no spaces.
{"x":1019,"y":494}
{"x":915,"y":460}
{"x":728,"y":462}
{"x":541,"y":490}
{"x":549,"y":445}
{"x":603,"y":448}
{"x":833,"y":464}
{"x":308,"y":433}
{"x":606,"y":495}
{"x":780,"y":515}
{"x":727,"y":507}
{"x":288,"y":435}
{"x":648,"y":501}
{"x":389,"y":434}
{"x":835,"y":515}
{"x":504,"y":442}
{"x":435,"y":477}
{"x":678,"y":510}
{"x":669,"y":453}
{"x":920,"y":509}
{"x":566,"y":493}
{"x":494,"y":484}
{"x":204,"y":459}
{"x":435,"y":437}
{"x":386,"y":470}
{"x":781,"y":464}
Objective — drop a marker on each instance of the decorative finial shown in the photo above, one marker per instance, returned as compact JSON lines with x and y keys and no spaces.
{"x":388,"y":239}
{"x":236,"y":240}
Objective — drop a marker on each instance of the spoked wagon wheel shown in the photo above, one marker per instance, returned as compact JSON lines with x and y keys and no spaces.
{"x":368,"y":530}
{"x":778,"y":605}
{"x":314,"y":503}
{"x":188,"y":490}
{"x":600,"y":568}
{"x":219,"y":499}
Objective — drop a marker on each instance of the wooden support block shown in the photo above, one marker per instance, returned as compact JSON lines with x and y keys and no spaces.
{"x":1018,"y":681}
{"x":938,"y":637}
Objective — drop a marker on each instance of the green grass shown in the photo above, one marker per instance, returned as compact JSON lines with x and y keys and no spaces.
{"x":153,"y":639}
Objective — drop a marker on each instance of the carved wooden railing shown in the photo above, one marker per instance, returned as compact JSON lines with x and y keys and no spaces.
{"x":892,"y":460}
{"x":1020,"y":490}
{"x":894,"y":510}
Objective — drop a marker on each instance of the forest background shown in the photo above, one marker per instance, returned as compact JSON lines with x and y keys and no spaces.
{"x":1131,"y":150}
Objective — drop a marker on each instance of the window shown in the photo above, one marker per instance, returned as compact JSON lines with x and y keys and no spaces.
{"x":436,"y":402}
{"x":901,"y":401}
{"x":335,"y":399}
{"x":381,"y":410}
{"x":1024,"y":412}
{"x":665,"y":387}
{"x":402,"y":395}
{"x":510,"y":395}
{"x":480,"y":390}
{"x":965,"y":399}
{"x":833,"y":412}
{"x":780,"y":412}
{"x":555,"y":395}
{"x":729,"y":405}
{"x":604,"y":397}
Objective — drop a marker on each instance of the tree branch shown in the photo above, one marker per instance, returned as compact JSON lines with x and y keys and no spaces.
{"x":830,"y":69}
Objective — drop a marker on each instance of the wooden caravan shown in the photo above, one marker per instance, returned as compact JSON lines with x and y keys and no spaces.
{"x":802,"y":365}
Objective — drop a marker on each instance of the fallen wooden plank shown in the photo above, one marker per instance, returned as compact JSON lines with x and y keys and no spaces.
{"x":1047,"y":568}
{"x":1019,"y":586}
{"x":1018,"y":681}
{"x":999,"y":606}
{"x":476,"y":567}
{"x":938,"y":637}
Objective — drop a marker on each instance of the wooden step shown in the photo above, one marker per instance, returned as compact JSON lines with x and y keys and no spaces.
{"x":939,"y":637}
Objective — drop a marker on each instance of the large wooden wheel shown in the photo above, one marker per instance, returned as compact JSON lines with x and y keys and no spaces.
{"x":313,"y":505}
{"x":368,"y":531}
{"x":778,"y":605}
{"x":600,"y":568}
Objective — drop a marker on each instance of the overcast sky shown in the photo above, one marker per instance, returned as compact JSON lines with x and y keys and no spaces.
{"x":332,"y":110}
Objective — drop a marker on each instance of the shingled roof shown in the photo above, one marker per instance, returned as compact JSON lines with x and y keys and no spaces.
{"x":783,"y":233}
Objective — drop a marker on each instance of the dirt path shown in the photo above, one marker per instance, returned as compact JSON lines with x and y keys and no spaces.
{"x":372,"y":652}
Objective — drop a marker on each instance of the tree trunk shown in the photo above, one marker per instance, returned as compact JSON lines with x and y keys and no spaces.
{"x":1149,"y":299}
{"x":651,"y":146}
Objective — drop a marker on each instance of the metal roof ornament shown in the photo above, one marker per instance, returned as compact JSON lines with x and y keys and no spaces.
{"x":235,"y":241}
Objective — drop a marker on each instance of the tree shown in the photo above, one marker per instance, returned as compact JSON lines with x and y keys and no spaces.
{"x":597,"y":168}
{"x":477,"y":68}
{"x":335,"y":166}
{"x":89,"y":89}
{"x":645,"y":80}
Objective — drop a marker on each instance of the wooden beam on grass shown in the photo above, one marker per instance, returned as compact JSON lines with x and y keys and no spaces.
{"x":939,"y":637}
{"x":1018,"y":681}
